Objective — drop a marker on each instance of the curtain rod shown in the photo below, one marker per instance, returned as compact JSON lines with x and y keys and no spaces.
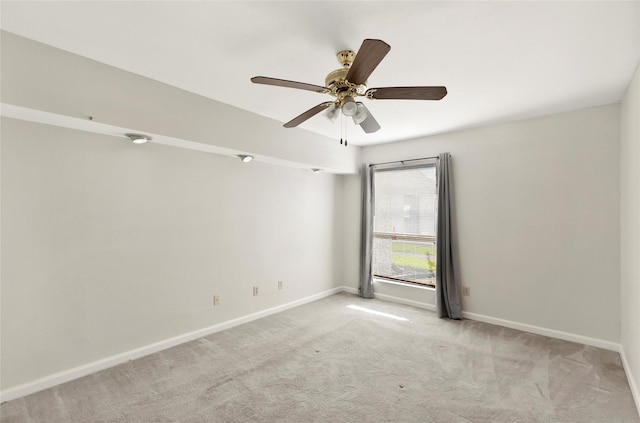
{"x":403,"y":161}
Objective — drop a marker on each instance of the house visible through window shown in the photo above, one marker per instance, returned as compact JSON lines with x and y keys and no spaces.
{"x":404,"y":224}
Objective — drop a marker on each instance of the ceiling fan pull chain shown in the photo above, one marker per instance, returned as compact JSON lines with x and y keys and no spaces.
{"x":346,"y":131}
{"x":341,"y":128}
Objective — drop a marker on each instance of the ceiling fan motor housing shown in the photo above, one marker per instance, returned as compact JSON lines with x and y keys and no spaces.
{"x":346,"y":57}
{"x":336,"y":80}
{"x":336,"y":77}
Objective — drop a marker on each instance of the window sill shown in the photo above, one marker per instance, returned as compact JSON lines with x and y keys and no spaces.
{"x":410,"y":285}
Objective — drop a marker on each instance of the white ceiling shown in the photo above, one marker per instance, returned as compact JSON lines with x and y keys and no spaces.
{"x":500,"y":60}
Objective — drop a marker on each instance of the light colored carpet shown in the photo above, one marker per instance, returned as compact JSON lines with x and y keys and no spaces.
{"x":325,"y":362}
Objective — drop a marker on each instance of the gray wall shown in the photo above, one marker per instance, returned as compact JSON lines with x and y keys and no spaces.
{"x":108,"y":246}
{"x":630,"y":232}
{"x":538,"y":220}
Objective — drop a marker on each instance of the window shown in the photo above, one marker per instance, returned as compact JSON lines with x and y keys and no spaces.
{"x":404,"y":224}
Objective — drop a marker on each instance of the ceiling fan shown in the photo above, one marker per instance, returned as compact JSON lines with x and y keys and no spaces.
{"x":350,"y":82}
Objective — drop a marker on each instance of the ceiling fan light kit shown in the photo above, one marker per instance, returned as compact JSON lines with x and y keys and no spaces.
{"x":350,"y":82}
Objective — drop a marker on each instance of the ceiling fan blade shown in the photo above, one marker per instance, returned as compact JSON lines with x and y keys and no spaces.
{"x":308,"y":114}
{"x":407,"y":93}
{"x":369,"y":125}
{"x":367,"y":59}
{"x":289,"y":84}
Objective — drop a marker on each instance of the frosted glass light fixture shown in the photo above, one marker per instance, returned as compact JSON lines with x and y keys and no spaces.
{"x":349,"y":106}
{"x":245,"y":158}
{"x":332,"y":113}
{"x":361,"y":114}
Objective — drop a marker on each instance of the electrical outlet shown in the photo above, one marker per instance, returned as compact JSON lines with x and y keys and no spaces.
{"x":280,"y":285}
{"x":255,"y":291}
{"x":466,"y":291}
{"x":216,"y":299}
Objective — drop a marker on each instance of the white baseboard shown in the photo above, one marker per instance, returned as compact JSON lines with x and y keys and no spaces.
{"x":635,"y":391}
{"x":552,"y":333}
{"x":86,"y":369}
{"x":393,"y":299}
{"x":350,"y":290}
{"x":404,"y":301}
{"x":594,"y":342}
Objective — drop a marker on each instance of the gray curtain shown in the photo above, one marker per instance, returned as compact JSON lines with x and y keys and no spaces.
{"x":447,"y":298}
{"x":366,"y":237}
